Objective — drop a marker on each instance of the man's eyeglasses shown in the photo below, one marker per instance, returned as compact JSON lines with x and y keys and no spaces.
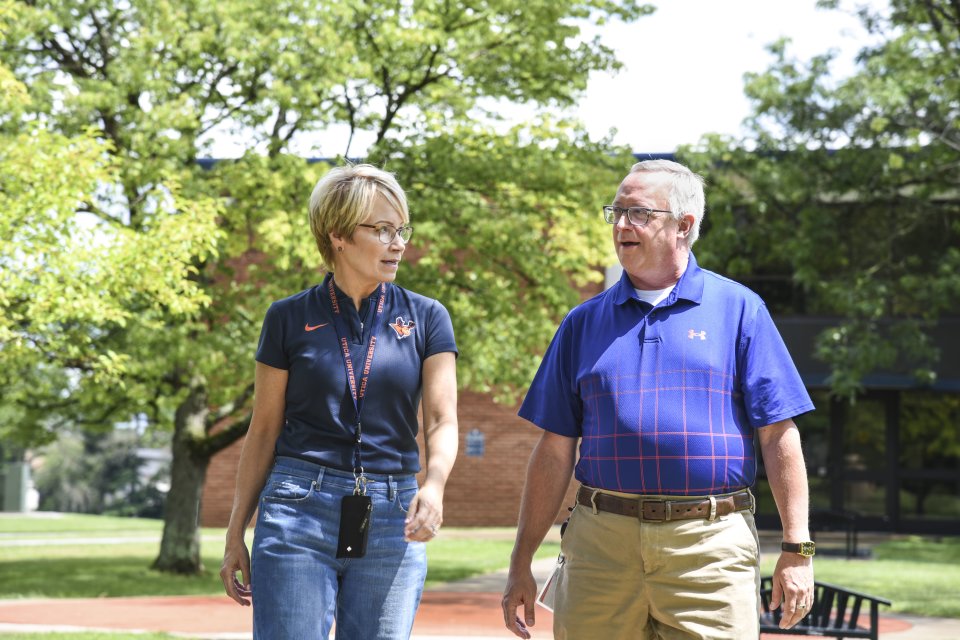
{"x":637,"y":216}
{"x":387,"y":233}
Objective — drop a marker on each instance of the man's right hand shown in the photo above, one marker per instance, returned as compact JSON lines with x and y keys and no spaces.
{"x":521,"y":589}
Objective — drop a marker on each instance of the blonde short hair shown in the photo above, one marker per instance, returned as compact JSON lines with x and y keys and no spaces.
{"x":344,"y":197}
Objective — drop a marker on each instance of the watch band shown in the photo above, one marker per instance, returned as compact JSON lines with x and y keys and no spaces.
{"x":807,"y":549}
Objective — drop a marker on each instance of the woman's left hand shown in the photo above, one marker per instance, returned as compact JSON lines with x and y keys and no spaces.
{"x":440,"y":437}
{"x":425,"y":515}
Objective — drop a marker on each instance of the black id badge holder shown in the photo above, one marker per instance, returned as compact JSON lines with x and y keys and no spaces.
{"x":355,"y":511}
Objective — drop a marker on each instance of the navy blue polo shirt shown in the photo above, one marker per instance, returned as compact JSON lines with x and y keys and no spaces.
{"x":299,"y":335}
{"x":666,"y":399}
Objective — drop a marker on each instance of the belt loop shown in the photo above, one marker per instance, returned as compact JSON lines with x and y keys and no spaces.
{"x":753,"y":501}
{"x":593,"y":501}
{"x":713,"y":509}
{"x":667,"y":508}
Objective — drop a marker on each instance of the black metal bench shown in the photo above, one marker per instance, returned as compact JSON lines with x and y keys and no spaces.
{"x":833,"y":520}
{"x":835,"y":613}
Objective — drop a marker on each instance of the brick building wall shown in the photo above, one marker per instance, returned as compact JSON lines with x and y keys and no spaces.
{"x":482,"y":490}
{"x":485,"y":490}
{"x":217,"y":498}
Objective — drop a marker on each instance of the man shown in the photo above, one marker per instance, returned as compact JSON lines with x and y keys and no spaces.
{"x":666,"y":378}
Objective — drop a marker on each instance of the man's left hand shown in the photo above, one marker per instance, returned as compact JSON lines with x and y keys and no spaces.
{"x":792,"y":588}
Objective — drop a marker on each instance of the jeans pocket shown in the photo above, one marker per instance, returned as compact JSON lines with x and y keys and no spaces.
{"x":286,"y":488}
{"x":404,"y":498}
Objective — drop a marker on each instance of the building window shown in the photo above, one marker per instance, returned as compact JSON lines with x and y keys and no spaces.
{"x":475,"y":443}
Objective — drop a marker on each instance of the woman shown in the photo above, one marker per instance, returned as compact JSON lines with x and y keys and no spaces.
{"x":331,"y":451}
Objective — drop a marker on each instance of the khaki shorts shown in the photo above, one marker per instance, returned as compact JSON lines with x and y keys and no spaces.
{"x":625,"y":579}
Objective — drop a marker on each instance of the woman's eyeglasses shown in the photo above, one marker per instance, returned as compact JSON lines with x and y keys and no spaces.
{"x":387,"y":233}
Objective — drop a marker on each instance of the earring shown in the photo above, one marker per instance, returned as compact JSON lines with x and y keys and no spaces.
{"x":339,"y":249}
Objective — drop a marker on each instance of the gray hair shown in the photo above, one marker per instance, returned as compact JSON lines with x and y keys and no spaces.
{"x":685,"y":194}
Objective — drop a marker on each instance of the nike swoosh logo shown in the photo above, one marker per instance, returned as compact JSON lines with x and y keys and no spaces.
{"x":307,"y":327}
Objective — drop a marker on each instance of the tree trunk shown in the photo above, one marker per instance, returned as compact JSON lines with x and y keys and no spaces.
{"x":180,"y":546}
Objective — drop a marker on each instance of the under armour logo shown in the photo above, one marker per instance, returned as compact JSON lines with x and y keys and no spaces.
{"x":694,"y":334}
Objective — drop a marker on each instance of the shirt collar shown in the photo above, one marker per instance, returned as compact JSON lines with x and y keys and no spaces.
{"x":343,"y":296}
{"x":689,"y":287}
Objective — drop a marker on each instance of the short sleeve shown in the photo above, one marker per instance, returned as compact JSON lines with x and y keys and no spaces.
{"x":270,"y":350}
{"x":553,"y":402}
{"x":772,"y":387}
{"x":439,"y":334}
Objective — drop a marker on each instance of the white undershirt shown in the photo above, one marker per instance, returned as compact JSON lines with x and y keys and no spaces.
{"x":654,"y":296}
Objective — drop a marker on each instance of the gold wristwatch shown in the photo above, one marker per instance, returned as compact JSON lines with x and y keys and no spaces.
{"x":806,"y":549}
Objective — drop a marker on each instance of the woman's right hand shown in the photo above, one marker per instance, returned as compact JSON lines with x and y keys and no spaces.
{"x":256,"y":458}
{"x":236,"y":558}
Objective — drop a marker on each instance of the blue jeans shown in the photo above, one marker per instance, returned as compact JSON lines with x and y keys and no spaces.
{"x":300,"y":586}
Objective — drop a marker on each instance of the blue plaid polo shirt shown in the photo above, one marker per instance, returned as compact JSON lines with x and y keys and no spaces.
{"x":666,"y":399}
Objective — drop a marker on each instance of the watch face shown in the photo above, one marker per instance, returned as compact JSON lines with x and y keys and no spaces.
{"x":807,"y":549}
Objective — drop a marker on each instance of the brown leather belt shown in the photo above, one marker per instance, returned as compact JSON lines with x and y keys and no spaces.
{"x":665,"y":510}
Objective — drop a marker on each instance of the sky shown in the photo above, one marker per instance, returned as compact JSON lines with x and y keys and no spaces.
{"x":684,"y":65}
{"x":683,"y":71}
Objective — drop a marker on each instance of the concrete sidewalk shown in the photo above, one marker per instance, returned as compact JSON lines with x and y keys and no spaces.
{"x":441,"y":615}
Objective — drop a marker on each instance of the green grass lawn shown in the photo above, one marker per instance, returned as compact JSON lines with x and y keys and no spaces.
{"x":60,"y":568}
{"x":65,"y":524}
{"x":919,"y":575}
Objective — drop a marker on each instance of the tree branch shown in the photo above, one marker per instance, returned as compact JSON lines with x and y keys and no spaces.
{"x":223,"y":438}
{"x":395,"y":103}
{"x":275,"y":137}
{"x":88,"y":207}
{"x":351,"y":118}
{"x":230,"y":408}
{"x":70,"y":61}
{"x":104,"y":43}
{"x":212,"y":90}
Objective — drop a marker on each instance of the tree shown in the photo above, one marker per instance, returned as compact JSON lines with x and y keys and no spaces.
{"x":84,"y":471}
{"x":847,"y":191}
{"x":930,"y":439}
{"x":152,"y":82}
{"x":67,"y":284}
{"x":511,"y":225}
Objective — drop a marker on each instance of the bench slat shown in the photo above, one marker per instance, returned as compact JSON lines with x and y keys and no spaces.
{"x":828,"y":615}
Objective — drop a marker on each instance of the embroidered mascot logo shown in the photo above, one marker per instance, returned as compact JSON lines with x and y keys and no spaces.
{"x":403,"y":329}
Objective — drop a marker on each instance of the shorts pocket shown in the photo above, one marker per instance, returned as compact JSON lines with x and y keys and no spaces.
{"x":287,"y":488}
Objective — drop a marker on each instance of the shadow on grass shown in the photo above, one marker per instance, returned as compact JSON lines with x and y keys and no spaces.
{"x":450,"y":572}
{"x":941,"y":551}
